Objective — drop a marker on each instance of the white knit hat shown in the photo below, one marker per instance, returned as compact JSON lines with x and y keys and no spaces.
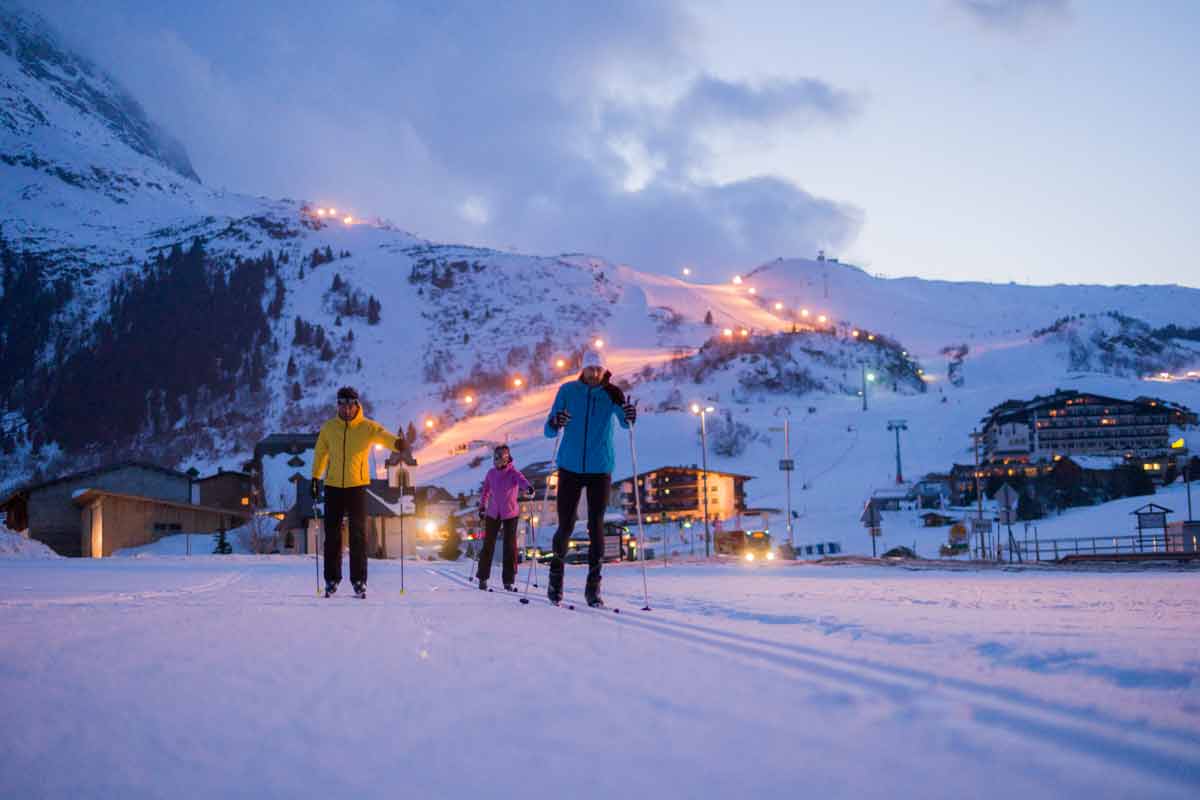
{"x":592,"y":359}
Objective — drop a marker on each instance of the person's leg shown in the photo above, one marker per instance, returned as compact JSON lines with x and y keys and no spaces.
{"x":356,"y":508}
{"x":597,"y":496}
{"x":510,"y":551}
{"x":491,"y":525}
{"x":567,"y":505}
{"x":334,"y":509}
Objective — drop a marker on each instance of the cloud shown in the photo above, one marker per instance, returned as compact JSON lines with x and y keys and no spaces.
{"x":1016,"y":16}
{"x":544,"y":126}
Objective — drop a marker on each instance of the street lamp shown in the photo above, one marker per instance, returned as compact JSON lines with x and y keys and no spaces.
{"x":429,"y":424}
{"x":786,"y":465}
{"x":867,"y":377}
{"x":686,"y":271}
{"x":469,"y":399}
{"x":779,"y":306}
{"x":703,"y":412}
{"x":518,"y":383}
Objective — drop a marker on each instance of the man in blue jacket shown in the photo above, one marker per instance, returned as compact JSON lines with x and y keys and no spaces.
{"x":584,"y":410}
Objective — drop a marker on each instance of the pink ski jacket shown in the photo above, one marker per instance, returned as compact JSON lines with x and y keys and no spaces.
{"x":500,"y":488}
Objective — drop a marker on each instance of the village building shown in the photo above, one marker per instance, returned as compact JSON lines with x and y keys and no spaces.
{"x":280,"y":460}
{"x":1071,"y":423}
{"x":224,"y":489}
{"x":126,"y":504}
{"x":674,"y":493}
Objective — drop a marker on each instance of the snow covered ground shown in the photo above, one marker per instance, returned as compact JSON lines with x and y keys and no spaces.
{"x":227,"y":676}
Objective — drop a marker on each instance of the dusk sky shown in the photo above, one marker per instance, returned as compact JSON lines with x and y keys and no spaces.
{"x":1038,"y":141}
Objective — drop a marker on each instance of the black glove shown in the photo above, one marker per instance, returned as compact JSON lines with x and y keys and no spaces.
{"x":630,"y":412}
{"x":482,"y":513}
{"x":530,"y":493}
{"x":314,"y":488}
{"x":614,"y":392}
{"x":560,"y":419}
{"x":401,"y":454}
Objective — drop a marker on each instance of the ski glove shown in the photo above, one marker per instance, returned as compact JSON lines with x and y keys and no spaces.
{"x":614,"y":392}
{"x":482,"y":513}
{"x":560,"y":420}
{"x":630,"y":412}
{"x":401,"y":454}
{"x":314,"y":487}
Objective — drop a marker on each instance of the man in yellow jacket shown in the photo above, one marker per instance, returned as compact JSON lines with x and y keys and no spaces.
{"x":344,"y":447}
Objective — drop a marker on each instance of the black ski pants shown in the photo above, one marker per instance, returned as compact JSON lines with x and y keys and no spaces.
{"x":570,"y":486}
{"x":491,"y":527}
{"x":351,"y":502}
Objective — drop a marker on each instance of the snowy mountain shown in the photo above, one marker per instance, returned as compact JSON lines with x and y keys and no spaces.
{"x":145,"y":313}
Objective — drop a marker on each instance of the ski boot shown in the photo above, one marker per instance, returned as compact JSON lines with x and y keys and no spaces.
{"x":592,"y":594}
{"x":330,"y":588}
{"x":483,"y":584}
{"x":508,"y":587}
{"x":360,"y":591}
{"x":554,"y":595}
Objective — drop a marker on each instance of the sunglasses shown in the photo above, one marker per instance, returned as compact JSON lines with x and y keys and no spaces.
{"x":347,"y":401}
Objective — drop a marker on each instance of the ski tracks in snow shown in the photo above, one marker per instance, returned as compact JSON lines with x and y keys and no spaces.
{"x":110,"y":598}
{"x":1168,"y":754}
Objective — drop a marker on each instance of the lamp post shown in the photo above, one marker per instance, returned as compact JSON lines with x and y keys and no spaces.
{"x":867,"y":377}
{"x":1187,"y":479}
{"x":898,"y":425}
{"x":786,"y":465}
{"x":703,"y":412}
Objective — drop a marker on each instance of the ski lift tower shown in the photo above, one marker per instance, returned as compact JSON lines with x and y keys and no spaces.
{"x":898,"y":425}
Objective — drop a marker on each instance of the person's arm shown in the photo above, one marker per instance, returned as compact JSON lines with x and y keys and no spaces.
{"x":558,"y":416}
{"x":321,"y":455}
{"x":385,"y":438}
{"x":484,"y":493}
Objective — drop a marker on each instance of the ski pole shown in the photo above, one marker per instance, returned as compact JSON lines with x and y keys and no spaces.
{"x":401,"y":541}
{"x":317,"y":545}
{"x":542,"y":518}
{"x":637,"y":501}
{"x":471,"y":549}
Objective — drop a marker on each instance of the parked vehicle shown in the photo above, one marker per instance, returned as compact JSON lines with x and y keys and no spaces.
{"x":748,"y":545}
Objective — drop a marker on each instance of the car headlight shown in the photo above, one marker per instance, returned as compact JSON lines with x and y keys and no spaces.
{"x":749,"y":556}
{"x":770,"y":556}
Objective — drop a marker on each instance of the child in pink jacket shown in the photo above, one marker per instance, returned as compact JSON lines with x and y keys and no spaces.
{"x":499,"y":508}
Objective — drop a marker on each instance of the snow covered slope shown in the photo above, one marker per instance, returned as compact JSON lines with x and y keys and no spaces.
{"x":93,"y":194}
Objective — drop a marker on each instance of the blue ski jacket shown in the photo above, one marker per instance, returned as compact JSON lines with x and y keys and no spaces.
{"x":587,"y":444}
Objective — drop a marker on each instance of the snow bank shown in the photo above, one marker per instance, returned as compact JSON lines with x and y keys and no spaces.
{"x":14,"y":545}
{"x":176,"y":544}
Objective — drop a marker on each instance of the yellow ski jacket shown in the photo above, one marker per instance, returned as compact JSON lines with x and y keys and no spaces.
{"x":344,"y":448}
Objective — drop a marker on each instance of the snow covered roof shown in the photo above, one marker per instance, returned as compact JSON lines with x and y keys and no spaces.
{"x":84,"y":497}
{"x":693,"y":469}
{"x":96,"y":471}
{"x":1097,"y":462}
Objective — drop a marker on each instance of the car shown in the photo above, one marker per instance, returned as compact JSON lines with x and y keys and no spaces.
{"x":579,"y":545}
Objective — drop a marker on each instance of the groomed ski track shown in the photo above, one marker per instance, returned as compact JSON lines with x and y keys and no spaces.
{"x":783,"y":682}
